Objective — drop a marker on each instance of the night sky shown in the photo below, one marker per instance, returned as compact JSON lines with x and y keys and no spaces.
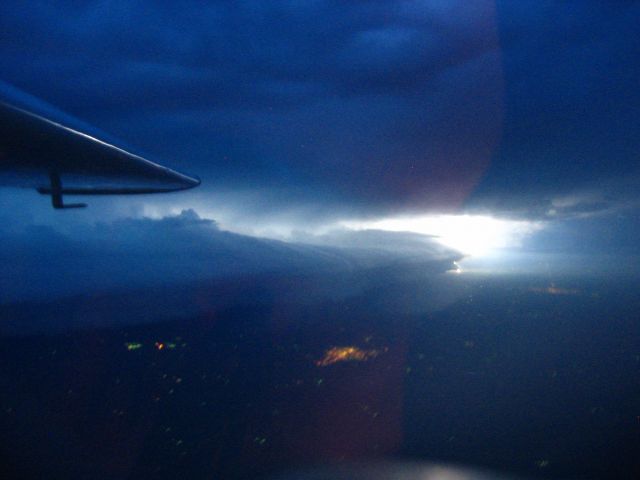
{"x":331,"y":137}
{"x":353,"y":108}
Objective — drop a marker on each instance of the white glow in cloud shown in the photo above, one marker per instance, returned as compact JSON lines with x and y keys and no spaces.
{"x":475,"y":235}
{"x":472,"y":235}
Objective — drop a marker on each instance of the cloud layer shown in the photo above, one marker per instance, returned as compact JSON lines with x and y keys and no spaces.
{"x":362,"y":109}
{"x":40,"y":261}
{"x":381,"y":105}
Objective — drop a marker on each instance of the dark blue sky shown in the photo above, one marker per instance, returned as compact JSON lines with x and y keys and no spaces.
{"x":371,"y":105}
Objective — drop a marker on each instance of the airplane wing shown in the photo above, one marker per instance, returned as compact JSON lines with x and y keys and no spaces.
{"x":45,"y":149}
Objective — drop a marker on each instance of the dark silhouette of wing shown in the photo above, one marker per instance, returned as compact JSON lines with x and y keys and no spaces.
{"x":56,"y":154}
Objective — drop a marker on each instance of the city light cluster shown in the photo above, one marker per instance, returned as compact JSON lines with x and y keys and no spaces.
{"x":346,"y":354}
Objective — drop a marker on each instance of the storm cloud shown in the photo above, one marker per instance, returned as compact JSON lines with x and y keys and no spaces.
{"x":145,"y":270}
{"x":373,"y":106}
{"x":309,"y":113}
{"x":42,"y":261}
